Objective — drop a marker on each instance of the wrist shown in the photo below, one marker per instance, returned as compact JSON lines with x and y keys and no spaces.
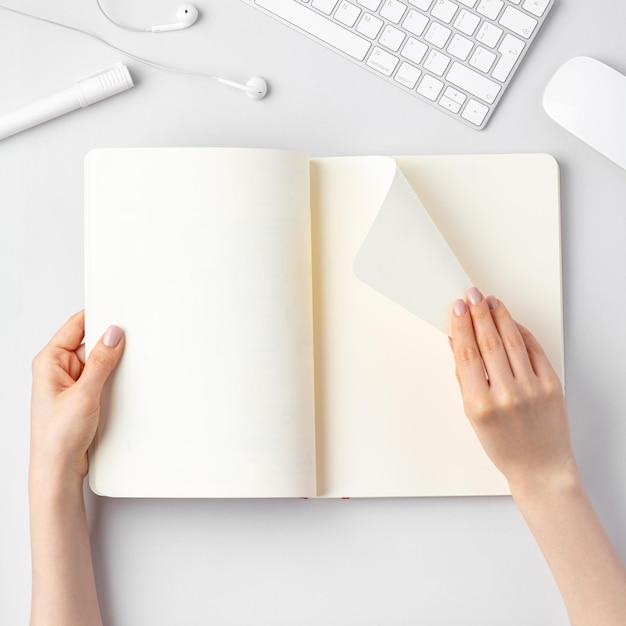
{"x":54,"y":482}
{"x":535,"y":490}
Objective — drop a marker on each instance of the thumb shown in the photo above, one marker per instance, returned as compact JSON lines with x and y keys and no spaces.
{"x":102,"y":360}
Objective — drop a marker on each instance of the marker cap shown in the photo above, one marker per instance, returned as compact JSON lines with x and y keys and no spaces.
{"x":103,"y":84}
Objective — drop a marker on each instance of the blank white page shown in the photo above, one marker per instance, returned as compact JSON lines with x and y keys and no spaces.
{"x":390,"y":420}
{"x":203,"y":257}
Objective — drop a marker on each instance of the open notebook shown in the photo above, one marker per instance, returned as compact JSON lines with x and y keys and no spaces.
{"x":257,"y":363}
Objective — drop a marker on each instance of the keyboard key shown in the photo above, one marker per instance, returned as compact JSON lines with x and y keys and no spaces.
{"x":382,"y":61}
{"x":449,"y":104}
{"x":436,"y":62}
{"x":518,"y":22}
{"x":415,"y":22}
{"x":466,"y":22}
{"x":421,"y":4}
{"x":393,"y":10}
{"x":536,"y":7}
{"x":489,"y":34}
{"x":407,"y":75}
{"x":473,"y":82}
{"x":455,"y":95}
{"x":437,"y":34}
{"x":490,"y":8}
{"x":482,"y":59}
{"x":475,"y":112}
{"x":430,"y":87}
{"x":372,"y":5}
{"x":391,"y":38}
{"x":414,"y":50}
{"x":444,"y":10}
{"x":370,"y":26}
{"x":460,"y":47}
{"x":347,"y":13}
{"x":469,"y":3}
{"x":318,"y":26}
{"x":510,"y":49}
{"x":325,"y":6}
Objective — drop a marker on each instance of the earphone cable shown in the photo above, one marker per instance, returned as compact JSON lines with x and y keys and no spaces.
{"x":109,"y":45}
{"x":131,"y":28}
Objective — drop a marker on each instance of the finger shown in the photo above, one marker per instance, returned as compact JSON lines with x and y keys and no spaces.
{"x":512,"y":340}
{"x":488,"y":339}
{"x":101,"y":361}
{"x":71,"y":334}
{"x":469,"y":364}
{"x":538,"y":358}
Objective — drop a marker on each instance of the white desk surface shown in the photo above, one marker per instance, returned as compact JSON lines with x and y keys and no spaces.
{"x":415,"y":561}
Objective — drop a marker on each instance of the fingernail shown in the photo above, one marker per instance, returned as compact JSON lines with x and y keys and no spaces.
{"x":459,"y":307}
{"x":492,"y":301}
{"x":112,"y":336}
{"x":474,"y":296}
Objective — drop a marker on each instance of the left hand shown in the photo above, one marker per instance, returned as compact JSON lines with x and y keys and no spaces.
{"x":65,"y":404}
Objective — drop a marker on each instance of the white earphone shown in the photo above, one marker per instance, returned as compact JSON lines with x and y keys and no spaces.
{"x":187,"y":14}
{"x":255,"y":88}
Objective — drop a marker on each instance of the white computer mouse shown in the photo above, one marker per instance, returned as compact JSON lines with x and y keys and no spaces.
{"x":588,"y":98}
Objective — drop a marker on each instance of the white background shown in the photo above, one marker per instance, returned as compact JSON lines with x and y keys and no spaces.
{"x":416,"y":561}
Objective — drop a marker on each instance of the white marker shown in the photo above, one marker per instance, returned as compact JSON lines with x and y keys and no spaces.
{"x":103,"y":84}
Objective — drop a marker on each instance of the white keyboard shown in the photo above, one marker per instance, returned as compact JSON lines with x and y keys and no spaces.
{"x":457,"y":55}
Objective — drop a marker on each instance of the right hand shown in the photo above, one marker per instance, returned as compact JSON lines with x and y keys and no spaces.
{"x":512,"y":396}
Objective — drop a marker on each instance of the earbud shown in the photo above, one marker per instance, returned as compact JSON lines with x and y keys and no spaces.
{"x":255,"y":88}
{"x":187,"y":14}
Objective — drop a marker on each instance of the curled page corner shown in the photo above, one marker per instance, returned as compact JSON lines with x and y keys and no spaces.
{"x":406,"y":258}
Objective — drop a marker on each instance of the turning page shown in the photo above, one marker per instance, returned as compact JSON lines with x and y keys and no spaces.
{"x":203,"y":257}
{"x":405,"y":256}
